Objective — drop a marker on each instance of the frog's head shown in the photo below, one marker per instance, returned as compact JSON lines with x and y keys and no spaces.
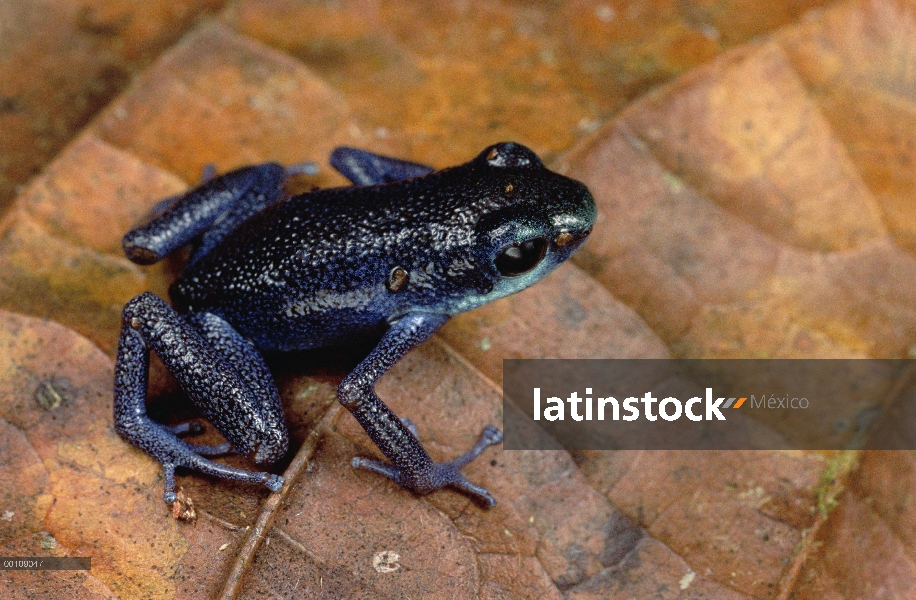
{"x":539,"y":219}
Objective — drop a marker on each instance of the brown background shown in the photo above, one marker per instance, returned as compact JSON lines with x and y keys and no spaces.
{"x":753,"y":164}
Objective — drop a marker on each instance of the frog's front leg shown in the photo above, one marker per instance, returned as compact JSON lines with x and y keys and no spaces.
{"x":412,"y":467}
{"x":220,"y":371}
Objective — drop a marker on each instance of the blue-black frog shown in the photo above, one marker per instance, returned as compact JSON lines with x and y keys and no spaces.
{"x":395,"y":254}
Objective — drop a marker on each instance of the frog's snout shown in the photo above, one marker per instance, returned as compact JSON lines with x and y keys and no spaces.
{"x":575,"y":224}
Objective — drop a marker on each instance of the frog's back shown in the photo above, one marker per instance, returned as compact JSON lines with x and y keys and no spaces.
{"x":276,"y":277}
{"x":315,"y":269}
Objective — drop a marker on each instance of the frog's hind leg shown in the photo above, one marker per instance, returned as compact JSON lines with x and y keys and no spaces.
{"x":208,"y":212}
{"x":266,"y":189}
{"x":365,"y":168}
{"x":206,"y":174}
{"x":265,"y":415}
{"x":231,"y":395}
{"x":410,"y":466}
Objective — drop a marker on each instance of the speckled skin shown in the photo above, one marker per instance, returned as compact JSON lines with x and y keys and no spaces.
{"x":396,"y":254}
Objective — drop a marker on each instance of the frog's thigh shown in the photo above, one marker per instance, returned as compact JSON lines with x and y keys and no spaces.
{"x":245,"y":359}
{"x":245,"y":190}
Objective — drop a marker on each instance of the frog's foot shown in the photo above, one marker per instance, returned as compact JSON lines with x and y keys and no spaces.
{"x":410,"y":465}
{"x":273,"y":482}
{"x":438,"y":475}
{"x":171,"y":452}
{"x":160,"y":443}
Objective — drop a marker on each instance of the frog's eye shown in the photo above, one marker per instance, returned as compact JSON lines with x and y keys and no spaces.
{"x":521,"y":257}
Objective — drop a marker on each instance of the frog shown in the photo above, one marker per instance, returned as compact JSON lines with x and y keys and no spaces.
{"x":389,"y":258}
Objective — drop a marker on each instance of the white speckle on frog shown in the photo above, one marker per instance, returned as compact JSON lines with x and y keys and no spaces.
{"x":328,"y":299}
{"x":686,"y":580}
{"x":7,"y":515}
{"x":386,"y":561}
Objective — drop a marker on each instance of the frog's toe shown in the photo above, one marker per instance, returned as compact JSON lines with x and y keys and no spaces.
{"x":449,"y":474}
{"x":274,"y":482}
{"x":439,"y":475}
{"x":376,"y":466}
{"x":207,"y":173}
{"x":197,"y":462}
{"x":488,"y":437}
{"x":478,"y":492}
{"x":168,"y":474}
{"x":220,"y":450}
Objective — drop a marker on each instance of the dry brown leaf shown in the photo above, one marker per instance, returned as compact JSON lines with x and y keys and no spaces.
{"x":758,"y":206}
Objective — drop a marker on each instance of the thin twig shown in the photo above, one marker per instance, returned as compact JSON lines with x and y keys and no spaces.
{"x":256,"y":533}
